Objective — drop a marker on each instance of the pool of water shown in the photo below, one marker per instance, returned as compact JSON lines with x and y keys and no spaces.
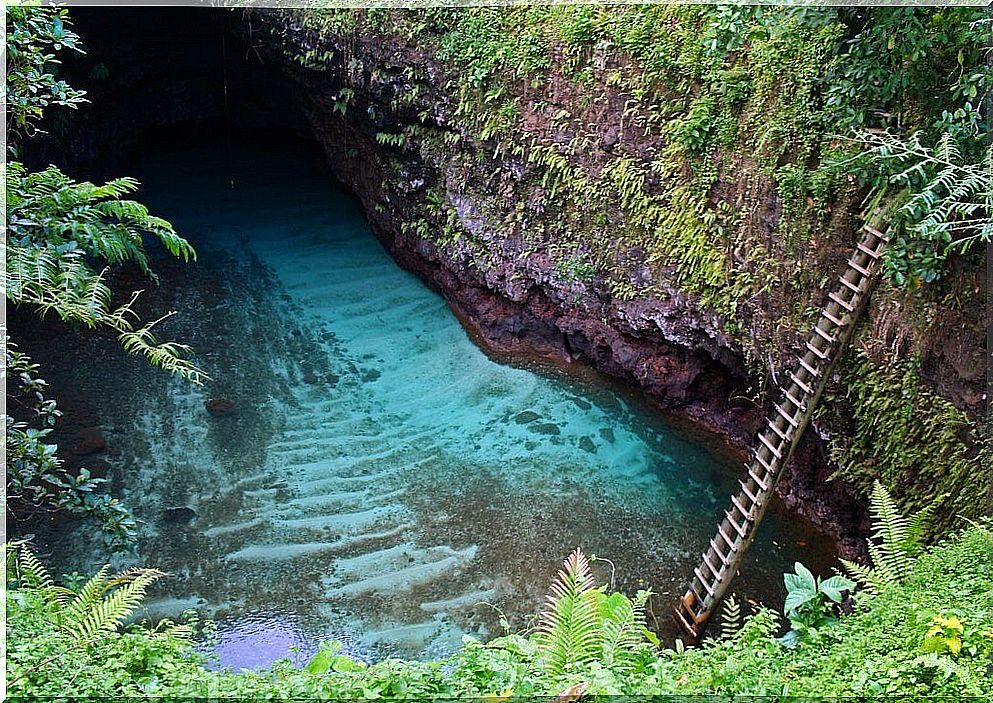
{"x":380,"y":480}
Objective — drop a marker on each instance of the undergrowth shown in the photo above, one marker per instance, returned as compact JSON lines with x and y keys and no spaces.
{"x":931,"y":634}
{"x":908,"y":437}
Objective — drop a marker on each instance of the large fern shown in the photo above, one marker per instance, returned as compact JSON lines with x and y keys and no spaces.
{"x":98,"y":608}
{"x":569,"y":632}
{"x":895,"y":542}
{"x":56,"y":226}
{"x":582,"y":623}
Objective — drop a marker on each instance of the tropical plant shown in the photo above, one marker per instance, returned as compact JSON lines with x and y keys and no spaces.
{"x":36,"y":479}
{"x":56,"y":226}
{"x":808,"y":601}
{"x":100,"y":605}
{"x":34,"y":35}
{"x":328,"y":660}
{"x":730,"y":618}
{"x":896,"y":542}
{"x":582,"y":624}
{"x":945,"y":635}
{"x":948,"y":204}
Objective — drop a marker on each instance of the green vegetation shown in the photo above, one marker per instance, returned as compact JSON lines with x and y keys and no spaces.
{"x":56,"y":226}
{"x":58,"y":231}
{"x":808,"y":601}
{"x":931,"y":634}
{"x":910,"y":438}
{"x":897,"y":542}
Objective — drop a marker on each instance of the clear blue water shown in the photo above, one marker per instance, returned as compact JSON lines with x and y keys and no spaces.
{"x":382,"y":480}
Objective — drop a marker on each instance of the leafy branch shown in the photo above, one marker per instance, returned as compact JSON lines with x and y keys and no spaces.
{"x":55,"y":226}
{"x":948,"y":205}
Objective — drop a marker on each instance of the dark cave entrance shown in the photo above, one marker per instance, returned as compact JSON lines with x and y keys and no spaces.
{"x":150,"y":68}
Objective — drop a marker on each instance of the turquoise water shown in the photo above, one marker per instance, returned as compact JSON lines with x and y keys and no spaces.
{"x":381,"y":481}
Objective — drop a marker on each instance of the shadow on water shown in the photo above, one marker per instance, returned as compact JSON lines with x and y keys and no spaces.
{"x":377,"y":479}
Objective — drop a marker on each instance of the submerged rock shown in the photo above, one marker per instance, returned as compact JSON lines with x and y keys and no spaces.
{"x":526,"y":417}
{"x":549,"y":428}
{"x":179,"y":515}
{"x":91,"y":442}
{"x":220,"y":406}
{"x":586,"y":444}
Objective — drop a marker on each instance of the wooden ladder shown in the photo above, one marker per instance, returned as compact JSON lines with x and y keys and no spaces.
{"x":780,"y":437}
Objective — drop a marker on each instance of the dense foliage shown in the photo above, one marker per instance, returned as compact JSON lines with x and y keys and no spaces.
{"x":62,"y":237}
{"x":34,"y":37}
{"x":56,"y":226}
{"x":912,"y":439}
{"x":37,"y":482}
{"x":932,"y":635}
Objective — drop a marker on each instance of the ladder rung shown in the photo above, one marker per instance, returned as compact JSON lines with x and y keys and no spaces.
{"x":799,"y":403}
{"x":716,"y":572}
{"x":875,"y":232}
{"x":751,"y":496}
{"x":786,"y":416}
{"x":699,"y":605}
{"x":817,"y":352}
{"x":684,"y":623}
{"x":745,"y":513}
{"x":763,"y":486}
{"x":866,"y":250}
{"x":771,"y":448}
{"x":850,"y":286}
{"x":863,"y":271}
{"x":833,"y":319}
{"x":804,"y":386}
{"x":765,"y":465}
{"x":737,"y":528}
{"x":710,"y":591}
{"x":810,"y":369}
{"x":775,"y":428}
{"x":730,"y":542}
{"x":718,"y":552}
{"x":696,"y":594}
{"x":824,"y":335}
{"x":841,"y":301}
{"x":722,"y":562}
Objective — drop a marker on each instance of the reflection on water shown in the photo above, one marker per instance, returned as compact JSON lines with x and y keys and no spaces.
{"x":255,"y":639}
{"x":376,"y":478}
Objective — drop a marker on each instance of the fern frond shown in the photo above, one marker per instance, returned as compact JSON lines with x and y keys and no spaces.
{"x":103,"y":616}
{"x":31,"y":572}
{"x":92,"y":590}
{"x":894,"y":546}
{"x":730,"y":618}
{"x":569,"y":631}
